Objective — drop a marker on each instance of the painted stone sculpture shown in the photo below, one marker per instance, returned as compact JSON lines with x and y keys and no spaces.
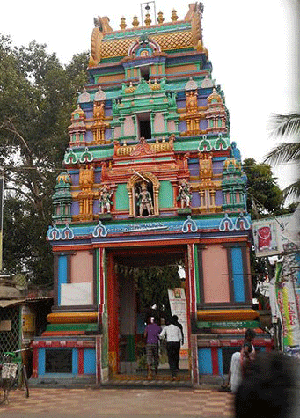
{"x":144,"y":200}
{"x":184,"y":195}
{"x":105,"y":202}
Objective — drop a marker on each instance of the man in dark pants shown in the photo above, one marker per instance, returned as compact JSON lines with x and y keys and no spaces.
{"x":176,"y":322}
{"x":173,"y":335}
{"x":151,"y":333}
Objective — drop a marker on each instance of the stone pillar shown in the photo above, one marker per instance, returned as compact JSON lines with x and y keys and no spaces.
{"x":122,"y":119}
{"x":152,"y":116}
{"x":166,"y":122}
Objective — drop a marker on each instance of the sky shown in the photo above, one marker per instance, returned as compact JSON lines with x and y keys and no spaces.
{"x":253,"y":46}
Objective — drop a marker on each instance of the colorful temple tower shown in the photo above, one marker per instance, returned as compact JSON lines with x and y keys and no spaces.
{"x":150,"y":176}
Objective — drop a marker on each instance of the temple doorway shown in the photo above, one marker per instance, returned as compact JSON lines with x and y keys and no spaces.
{"x":144,"y":282}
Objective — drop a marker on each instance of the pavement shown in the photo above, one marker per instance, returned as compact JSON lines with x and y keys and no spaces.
{"x":119,"y":402}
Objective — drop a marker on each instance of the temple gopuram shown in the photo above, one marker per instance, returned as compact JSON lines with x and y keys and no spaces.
{"x":150,"y":177}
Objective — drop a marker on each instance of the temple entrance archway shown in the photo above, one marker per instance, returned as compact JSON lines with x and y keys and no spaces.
{"x":138,"y":282}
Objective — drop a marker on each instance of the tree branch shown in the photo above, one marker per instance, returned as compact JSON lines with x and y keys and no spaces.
{"x":20,"y":191}
{"x":9,"y":126}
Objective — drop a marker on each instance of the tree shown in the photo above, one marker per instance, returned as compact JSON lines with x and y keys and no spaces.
{"x":264,"y":199}
{"x":152,"y":284}
{"x":37,"y":96}
{"x":286,"y":126}
{"x":264,"y":196}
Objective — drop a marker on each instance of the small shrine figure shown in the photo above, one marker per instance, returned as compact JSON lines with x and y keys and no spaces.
{"x":86,"y":177}
{"x":144,"y":200}
{"x":191,"y":102}
{"x":99,"y":111}
{"x":184,"y":195}
{"x":105,"y":202}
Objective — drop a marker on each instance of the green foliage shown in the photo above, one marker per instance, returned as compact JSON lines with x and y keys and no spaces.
{"x":286,"y":126}
{"x":152,"y":284}
{"x":264,"y":199}
{"x":37,"y":96}
{"x":264,"y":196}
{"x":25,"y":246}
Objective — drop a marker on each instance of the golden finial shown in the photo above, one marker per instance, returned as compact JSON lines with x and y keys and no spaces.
{"x":147,"y":19}
{"x":174,"y":15}
{"x":123,"y":23}
{"x":135,"y":22}
{"x":160,"y":18}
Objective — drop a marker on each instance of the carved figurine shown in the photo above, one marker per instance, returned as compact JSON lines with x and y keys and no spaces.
{"x":99,"y":111}
{"x":191,"y":102}
{"x":144,"y":200}
{"x":105,"y":202}
{"x":184,"y":195}
{"x":86,"y":177}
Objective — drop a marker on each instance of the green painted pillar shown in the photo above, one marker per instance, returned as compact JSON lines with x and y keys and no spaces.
{"x":135,"y":125}
{"x":122,"y":119}
{"x":166,"y":121}
{"x":152,"y":116}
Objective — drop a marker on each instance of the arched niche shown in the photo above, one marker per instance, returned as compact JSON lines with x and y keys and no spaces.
{"x":135,"y":181}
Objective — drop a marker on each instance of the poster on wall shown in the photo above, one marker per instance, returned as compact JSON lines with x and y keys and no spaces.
{"x":288,"y":304}
{"x":178,"y":307}
{"x":266,"y":237}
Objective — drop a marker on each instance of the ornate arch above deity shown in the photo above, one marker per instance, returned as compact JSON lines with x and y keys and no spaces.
{"x":143,"y":47}
{"x":143,"y":190}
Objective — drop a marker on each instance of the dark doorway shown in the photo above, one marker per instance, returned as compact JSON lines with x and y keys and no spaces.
{"x":142,"y":280}
{"x":143,"y":293}
{"x":59,"y":360}
{"x":145,"y":73}
{"x":145,"y":129}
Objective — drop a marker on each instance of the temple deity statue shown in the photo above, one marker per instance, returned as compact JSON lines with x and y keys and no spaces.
{"x":86,"y":177}
{"x":184,"y":194}
{"x":144,"y":200}
{"x":191,"y":102}
{"x":105,"y":202}
{"x":99,"y":111}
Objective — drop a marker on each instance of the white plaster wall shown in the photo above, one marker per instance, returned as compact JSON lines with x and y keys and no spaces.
{"x":128,"y":126}
{"x":81,"y":267}
{"x":159,"y":123}
{"x":76,"y":294}
{"x":171,"y":126}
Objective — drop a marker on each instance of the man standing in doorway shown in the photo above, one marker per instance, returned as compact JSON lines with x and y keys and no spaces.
{"x":151,"y":334}
{"x":173,"y":335}
{"x":176,"y":322}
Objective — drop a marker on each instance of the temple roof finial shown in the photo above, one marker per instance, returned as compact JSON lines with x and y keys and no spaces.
{"x":147,"y":20}
{"x":123,"y":23}
{"x":160,"y":18}
{"x":135,"y":21}
{"x":174,"y":15}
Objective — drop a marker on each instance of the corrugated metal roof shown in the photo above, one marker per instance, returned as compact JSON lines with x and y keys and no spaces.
{"x":4,"y":303}
{"x":9,"y":292}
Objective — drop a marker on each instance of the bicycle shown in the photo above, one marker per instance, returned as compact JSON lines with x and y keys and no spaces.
{"x":13,"y":375}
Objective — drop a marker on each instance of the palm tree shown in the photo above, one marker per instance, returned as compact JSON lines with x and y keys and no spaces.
{"x":286,"y":126}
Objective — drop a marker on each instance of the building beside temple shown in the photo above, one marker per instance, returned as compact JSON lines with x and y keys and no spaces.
{"x":150,"y":176}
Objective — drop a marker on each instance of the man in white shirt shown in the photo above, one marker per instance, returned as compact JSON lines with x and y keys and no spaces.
{"x":173,"y":336}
